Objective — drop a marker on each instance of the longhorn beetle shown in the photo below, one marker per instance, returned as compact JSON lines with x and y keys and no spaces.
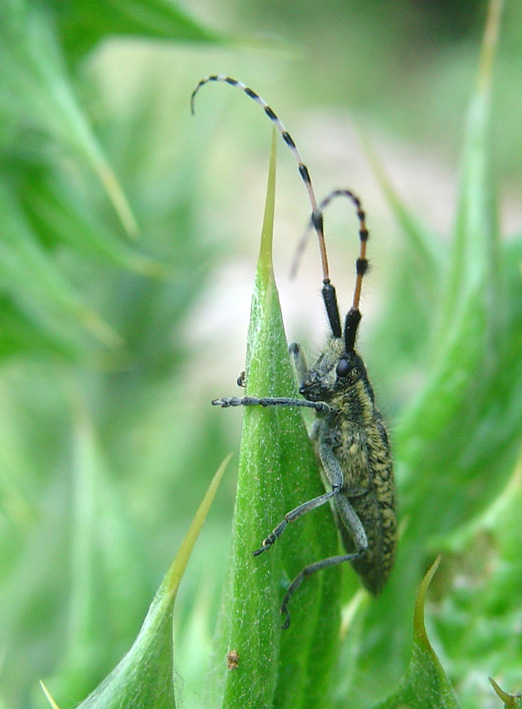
{"x":349,"y":435}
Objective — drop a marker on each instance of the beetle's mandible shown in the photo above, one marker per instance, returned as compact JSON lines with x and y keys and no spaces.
{"x":349,"y":435}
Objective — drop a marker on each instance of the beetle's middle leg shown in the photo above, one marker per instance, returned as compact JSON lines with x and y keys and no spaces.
{"x":347,"y":516}
{"x":335,"y":477}
{"x":291,"y":517}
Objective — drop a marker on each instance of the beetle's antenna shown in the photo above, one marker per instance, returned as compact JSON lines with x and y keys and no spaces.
{"x":317,"y":217}
{"x":361,"y":265}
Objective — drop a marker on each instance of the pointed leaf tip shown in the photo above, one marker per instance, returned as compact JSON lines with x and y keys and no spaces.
{"x":265,"y":252}
{"x":48,"y":696}
{"x":509,"y":700}
{"x":489,"y":44}
{"x":420,"y":601}
{"x":424,"y":683}
{"x":277,"y":471}
{"x":175,"y":573}
{"x":144,"y":677}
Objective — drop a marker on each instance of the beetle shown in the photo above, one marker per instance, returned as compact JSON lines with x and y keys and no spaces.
{"x":349,"y":435}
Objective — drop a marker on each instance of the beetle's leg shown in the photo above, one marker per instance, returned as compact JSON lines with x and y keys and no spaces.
{"x":299,"y":360}
{"x":308,"y":571}
{"x":355,"y":492}
{"x":346,"y":514}
{"x":301,"y":367}
{"x":292,"y":516}
{"x":352,"y":522}
{"x":306,"y":506}
{"x":336,"y":480}
{"x":225,"y":402}
{"x":330,"y":463}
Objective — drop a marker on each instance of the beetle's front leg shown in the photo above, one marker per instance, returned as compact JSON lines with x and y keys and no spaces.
{"x":226,"y":402}
{"x":301,"y":367}
{"x":299,"y":360}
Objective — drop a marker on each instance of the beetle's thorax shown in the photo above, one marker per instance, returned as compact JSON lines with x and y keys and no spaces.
{"x":350,"y":395}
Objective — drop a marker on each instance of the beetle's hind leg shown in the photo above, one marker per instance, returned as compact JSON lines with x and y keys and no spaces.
{"x":308,"y":571}
{"x":349,"y":518}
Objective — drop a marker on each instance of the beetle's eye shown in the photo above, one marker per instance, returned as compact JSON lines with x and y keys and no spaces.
{"x":342,"y":368}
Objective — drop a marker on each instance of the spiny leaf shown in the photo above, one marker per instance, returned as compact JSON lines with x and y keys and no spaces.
{"x":424,"y":684}
{"x":277,"y":471}
{"x":48,"y":696}
{"x":144,"y":678}
{"x":510,"y":700}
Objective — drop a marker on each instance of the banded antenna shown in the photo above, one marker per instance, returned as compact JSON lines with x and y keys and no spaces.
{"x":328,"y":290}
{"x":353,"y":317}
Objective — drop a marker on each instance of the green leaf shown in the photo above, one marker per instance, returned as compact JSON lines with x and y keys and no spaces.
{"x":277,"y":472}
{"x":425,"y":683}
{"x":48,"y":696}
{"x":33,"y":279}
{"x":456,"y":444}
{"x":84,"y":22}
{"x":60,"y":216}
{"x":144,"y":679}
{"x":510,"y":700}
{"x":467,"y":329}
{"x":486,"y":554}
{"x":37,"y":99}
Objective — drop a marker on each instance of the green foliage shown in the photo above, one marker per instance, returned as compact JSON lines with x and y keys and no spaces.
{"x":145,"y":676}
{"x":277,"y":471}
{"x":509,"y":700}
{"x":82,"y":25}
{"x":107,"y":437}
{"x":424,"y":684}
{"x":90,"y":350}
{"x":457,"y":443}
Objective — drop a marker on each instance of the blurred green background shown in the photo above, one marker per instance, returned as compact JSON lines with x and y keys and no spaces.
{"x":127,"y":250}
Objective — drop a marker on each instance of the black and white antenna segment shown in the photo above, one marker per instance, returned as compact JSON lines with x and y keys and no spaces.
{"x":316,"y":220}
